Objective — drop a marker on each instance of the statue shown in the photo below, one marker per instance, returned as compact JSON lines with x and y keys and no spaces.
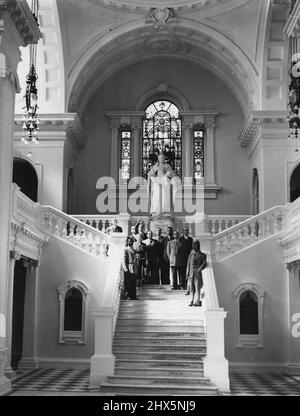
{"x":162,"y":187}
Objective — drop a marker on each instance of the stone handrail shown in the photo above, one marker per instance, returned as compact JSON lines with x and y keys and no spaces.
{"x":248,"y":232}
{"x":214,"y":224}
{"x":100,"y":222}
{"x":23,"y":207}
{"x":75,"y":231}
{"x":210,"y":301}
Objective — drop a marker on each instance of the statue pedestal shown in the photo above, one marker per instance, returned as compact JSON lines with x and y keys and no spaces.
{"x":163,"y":222}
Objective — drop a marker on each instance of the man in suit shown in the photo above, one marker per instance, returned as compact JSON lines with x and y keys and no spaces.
{"x":158,"y":257}
{"x":114,"y":227}
{"x":172,"y":251}
{"x":196,"y":263}
{"x":166,"y":262}
{"x":151,"y":271}
{"x":131,"y":268}
{"x":184,"y":249}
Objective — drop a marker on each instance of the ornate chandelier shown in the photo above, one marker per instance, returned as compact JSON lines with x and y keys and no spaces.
{"x":30,"y":120}
{"x":294,"y":90}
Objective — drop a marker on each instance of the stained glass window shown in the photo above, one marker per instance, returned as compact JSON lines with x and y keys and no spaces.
{"x":162,"y":134}
{"x":125,"y":152}
{"x":198,"y":151}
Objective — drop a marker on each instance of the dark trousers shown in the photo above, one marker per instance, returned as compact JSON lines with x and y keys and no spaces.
{"x":130,"y":285}
{"x":165,"y":275}
{"x":182,"y":276}
{"x":174,"y":277}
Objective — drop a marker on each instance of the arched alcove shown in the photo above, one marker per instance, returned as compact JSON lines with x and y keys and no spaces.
{"x":24,"y":175}
{"x":295,"y":184}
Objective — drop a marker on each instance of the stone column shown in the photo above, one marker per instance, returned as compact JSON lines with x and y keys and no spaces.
{"x":136,"y":148}
{"x":187,"y":148}
{"x":29,"y":359}
{"x":209,"y":162}
{"x":293,"y":273}
{"x":17,"y":28}
{"x":115,"y":149}
{"x":14,"y":255}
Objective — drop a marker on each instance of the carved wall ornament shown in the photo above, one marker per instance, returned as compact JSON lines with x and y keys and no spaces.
{"x":162,"y":44}
{"x":160,"y":17}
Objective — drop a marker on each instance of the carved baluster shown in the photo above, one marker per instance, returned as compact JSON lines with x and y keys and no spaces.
{"x":64,"y":230}
{"x":267,"y":226}
{"x":251,"y":232}
{"x":91,"y":243}
{"x":72,"y":233}
{"x":260,"y":225}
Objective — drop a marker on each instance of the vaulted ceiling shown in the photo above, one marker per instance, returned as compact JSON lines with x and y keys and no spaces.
{"x":92,"y":39}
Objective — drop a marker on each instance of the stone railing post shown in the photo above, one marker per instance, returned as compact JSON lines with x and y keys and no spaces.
{"x":103,"y":360}
{"x":215,"y":364}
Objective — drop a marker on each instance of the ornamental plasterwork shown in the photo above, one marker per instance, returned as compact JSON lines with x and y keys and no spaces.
{"x":162,"y":44}
{"x":188,"y":6}
{"x":160,"y":17}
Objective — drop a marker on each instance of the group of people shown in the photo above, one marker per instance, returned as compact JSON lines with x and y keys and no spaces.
{"x":171,"y":259}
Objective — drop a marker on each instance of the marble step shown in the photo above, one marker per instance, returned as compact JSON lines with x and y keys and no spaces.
{"x":159,"y":355}
{"x":171,"y":364}
{"x":160,"y":371}
{"x":153,"y":380}
{"x":120,"y":348}
{"x":162,"y":341}
{"x":148,"y":327}
{"x":168,"y":390}
{"x":159,"y":322}
{"x":159,"y":334}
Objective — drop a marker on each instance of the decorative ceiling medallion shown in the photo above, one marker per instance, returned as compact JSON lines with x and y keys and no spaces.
{"x":162,"y":44}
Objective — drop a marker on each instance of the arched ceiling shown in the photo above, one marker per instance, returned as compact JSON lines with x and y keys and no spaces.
{"x":195,"y":42}
{"x":100,"y":37}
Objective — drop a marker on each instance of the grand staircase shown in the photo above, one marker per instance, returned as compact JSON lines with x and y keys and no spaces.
{"x":159,"y":346}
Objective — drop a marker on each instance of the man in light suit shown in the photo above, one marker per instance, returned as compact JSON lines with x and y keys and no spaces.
{"x":196,"y":263}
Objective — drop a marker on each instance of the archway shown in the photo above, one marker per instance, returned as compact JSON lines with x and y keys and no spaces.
{"x":295,"y":184}
{"x":24,"y":175}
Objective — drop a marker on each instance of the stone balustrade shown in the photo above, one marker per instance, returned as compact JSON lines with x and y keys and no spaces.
{"x":248,"y":232}
{"x":214,"y":224}
{"x":23,"y":207}
{"x":75,"y":232}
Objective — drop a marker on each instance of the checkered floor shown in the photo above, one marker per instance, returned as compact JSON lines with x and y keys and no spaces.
{"x":264,"y":385}
{"x":68,"y":382}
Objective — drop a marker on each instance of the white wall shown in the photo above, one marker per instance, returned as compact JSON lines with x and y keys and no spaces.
{"x":263,"y":265}
{"x":61,"y":262}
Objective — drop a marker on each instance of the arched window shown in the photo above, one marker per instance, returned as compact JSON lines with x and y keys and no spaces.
{"x":73,"y":302}
{"x":162,"y":133}
{"x":295,"y":184}
{"x":73,"y":310}
{"x":249,"y":313}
